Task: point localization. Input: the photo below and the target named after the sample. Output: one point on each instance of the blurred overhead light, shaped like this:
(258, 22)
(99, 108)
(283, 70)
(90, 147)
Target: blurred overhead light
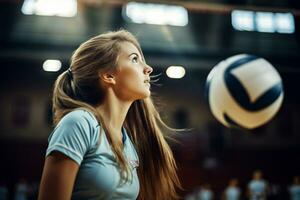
(158, 14)
(61, 8)
(175, 72)
(52, 65)
(267, 22)
(242, 20)
(284, 23)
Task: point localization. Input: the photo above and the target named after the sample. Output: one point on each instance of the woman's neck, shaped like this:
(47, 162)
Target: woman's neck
(113, 112)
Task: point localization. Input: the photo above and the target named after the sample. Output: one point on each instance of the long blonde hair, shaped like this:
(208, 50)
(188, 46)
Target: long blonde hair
(80, 88)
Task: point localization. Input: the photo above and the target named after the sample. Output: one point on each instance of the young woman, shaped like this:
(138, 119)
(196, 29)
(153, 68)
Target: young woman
(107, 143)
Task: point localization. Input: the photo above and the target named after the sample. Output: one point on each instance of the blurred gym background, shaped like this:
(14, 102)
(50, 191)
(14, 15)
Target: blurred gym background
(192, 36)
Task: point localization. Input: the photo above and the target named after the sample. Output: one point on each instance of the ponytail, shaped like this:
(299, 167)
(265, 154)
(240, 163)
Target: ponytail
(64, 97)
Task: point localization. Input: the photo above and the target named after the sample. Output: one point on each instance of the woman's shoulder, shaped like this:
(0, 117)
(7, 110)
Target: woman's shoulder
(80, 116)
(78, 124)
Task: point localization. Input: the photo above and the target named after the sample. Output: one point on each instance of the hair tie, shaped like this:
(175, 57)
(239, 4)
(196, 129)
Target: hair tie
(70, 74)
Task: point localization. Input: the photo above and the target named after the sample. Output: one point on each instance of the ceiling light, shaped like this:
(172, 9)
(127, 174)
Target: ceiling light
(176, 72)
(52, 65)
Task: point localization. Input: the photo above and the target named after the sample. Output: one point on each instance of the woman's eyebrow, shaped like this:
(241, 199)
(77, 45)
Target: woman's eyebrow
(133, 54)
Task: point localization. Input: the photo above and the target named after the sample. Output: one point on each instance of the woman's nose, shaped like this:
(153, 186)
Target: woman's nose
(148, 70)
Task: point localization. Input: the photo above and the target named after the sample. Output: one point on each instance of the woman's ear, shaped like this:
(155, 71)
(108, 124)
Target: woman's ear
(107, 78)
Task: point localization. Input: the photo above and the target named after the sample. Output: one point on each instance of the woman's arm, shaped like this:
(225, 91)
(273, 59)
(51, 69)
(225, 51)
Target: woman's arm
(58, 177)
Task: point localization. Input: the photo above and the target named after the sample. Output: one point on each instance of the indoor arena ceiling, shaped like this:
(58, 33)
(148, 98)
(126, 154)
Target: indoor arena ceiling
(208, 36)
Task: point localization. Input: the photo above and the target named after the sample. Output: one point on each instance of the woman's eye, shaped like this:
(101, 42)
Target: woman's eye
(134, 59)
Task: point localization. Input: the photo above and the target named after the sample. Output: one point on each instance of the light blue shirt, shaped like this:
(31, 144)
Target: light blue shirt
(205, 194)
(232, 193)
(257, 189)
(78, 136)
(295, 192)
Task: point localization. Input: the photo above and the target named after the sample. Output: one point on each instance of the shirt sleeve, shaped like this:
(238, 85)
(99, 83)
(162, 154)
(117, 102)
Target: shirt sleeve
(73, 135)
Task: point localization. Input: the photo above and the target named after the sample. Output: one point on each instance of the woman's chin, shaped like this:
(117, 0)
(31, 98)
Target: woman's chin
(145, 95)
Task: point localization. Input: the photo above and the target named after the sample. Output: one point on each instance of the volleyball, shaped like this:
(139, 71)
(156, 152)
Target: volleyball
(244, 91)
